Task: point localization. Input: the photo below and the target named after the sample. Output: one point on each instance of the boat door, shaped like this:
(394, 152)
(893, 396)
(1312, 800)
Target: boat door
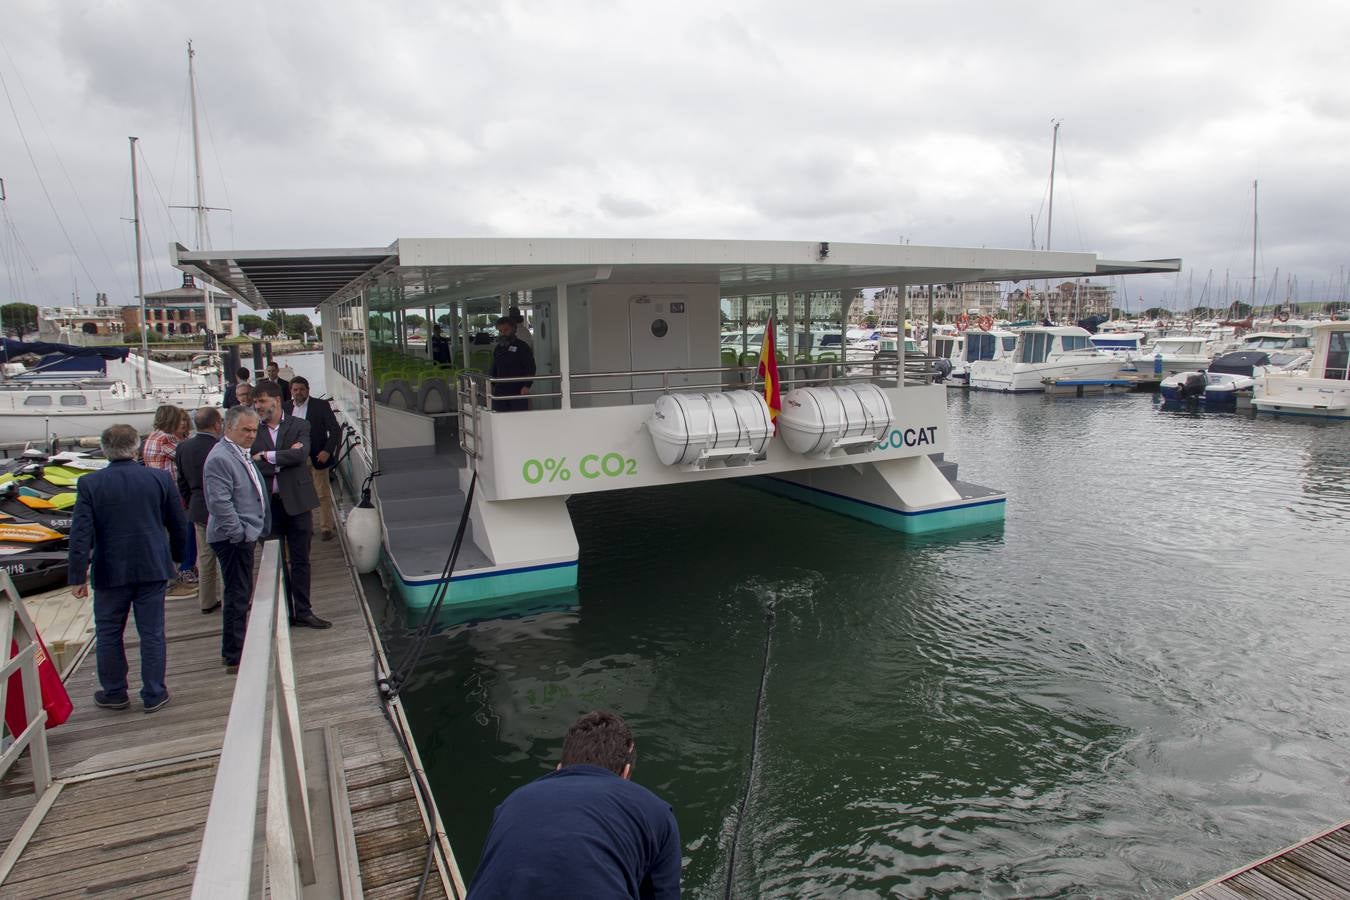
(658, 338)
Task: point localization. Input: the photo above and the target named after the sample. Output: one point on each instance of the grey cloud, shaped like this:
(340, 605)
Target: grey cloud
(338, 123)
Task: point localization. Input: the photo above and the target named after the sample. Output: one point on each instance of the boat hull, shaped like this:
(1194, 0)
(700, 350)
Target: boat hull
(1020, 377)
(1296, 395)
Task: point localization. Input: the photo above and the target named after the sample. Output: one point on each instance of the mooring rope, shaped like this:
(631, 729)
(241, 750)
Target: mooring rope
(769, 620)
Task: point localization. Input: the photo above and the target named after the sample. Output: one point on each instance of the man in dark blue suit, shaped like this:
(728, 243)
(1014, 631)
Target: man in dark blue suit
(129, 518)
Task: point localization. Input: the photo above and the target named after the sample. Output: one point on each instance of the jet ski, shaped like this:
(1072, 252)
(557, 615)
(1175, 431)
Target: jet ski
(37, 499)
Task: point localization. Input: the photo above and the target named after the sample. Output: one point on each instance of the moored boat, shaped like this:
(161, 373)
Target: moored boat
(1323, 390)
(1044, 352)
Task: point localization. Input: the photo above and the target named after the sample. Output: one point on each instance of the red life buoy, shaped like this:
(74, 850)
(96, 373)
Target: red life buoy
(986, 322)
(962, 322)
(1283, 315)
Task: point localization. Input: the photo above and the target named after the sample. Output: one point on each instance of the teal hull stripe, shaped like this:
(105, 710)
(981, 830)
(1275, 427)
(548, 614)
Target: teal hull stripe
(521, 582)
(467, 576)
(888, 509)
(981, 512)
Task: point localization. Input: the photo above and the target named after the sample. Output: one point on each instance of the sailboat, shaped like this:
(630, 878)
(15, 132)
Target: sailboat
(64, 392)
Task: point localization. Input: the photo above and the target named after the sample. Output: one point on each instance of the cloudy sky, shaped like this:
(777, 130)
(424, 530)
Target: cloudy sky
(346, 123)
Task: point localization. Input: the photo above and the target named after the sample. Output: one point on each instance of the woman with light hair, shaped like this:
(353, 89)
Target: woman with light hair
(172, 425)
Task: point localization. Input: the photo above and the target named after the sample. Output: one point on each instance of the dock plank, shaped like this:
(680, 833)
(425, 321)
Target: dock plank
(129, 820)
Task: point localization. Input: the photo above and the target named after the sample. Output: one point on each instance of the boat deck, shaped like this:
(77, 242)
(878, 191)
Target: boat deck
(421, 503)
(129, 818)
(1318, 867)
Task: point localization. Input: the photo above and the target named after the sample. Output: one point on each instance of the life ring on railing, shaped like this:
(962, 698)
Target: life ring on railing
(985, 322)
(962, 322)
(1283, 315)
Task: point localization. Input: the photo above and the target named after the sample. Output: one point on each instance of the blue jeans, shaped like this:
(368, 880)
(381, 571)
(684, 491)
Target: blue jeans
(189, 549)
(111, 605)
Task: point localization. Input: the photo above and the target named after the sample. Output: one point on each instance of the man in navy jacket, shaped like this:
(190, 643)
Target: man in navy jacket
(584, 829)
(130, 520)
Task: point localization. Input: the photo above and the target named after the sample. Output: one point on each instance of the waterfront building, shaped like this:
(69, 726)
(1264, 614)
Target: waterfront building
(1067, 301)
(101, 323)
(181, 310)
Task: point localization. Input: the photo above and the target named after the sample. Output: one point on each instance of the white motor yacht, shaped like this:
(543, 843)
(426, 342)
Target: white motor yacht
(1172, 355)
(1043, 352)
(988, 346)
(1323, 390)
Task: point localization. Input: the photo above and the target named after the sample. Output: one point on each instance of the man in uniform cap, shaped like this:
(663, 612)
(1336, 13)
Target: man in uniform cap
(511, 358)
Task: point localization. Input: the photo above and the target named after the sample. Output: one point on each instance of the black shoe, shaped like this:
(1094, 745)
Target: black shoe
(310, 620)
(103, 701)
(163, 702)
(211, 609)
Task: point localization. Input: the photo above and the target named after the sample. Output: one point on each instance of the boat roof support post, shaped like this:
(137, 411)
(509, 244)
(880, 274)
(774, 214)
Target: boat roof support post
(902, 313)
(931, 336)
(464, 332)
(564, 349)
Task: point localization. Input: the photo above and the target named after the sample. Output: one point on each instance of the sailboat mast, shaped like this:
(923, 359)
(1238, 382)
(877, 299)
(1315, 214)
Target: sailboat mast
(1050, 216)
(1254, 213)
(140, 275)
(196, 153)
(203, 237)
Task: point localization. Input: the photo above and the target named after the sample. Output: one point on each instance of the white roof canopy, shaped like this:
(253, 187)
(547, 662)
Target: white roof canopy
(465, 268)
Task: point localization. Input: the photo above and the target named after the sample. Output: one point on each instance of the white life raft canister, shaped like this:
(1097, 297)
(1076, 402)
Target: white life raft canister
(836, 420)
(732, 427)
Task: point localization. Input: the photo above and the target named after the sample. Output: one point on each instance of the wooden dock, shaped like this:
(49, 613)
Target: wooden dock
(133, 789)
(1318, 867)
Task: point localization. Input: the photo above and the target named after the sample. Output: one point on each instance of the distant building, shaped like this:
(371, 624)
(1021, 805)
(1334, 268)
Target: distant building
(181, 310)
(97, 324)
(948, 299)
(1068, 301)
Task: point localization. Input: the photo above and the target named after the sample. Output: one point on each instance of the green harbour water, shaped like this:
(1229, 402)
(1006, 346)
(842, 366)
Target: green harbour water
(1135, 683)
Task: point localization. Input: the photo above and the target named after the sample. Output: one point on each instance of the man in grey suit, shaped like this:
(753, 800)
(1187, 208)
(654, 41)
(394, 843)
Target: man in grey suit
(281, 451)
(237, 508)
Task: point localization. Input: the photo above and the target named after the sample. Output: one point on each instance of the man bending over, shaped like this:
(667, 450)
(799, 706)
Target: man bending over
(584, 829)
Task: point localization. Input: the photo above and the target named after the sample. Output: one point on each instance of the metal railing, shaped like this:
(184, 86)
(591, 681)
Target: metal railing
(266, 673)
(469, 411)
(33, 737)
(478, 390)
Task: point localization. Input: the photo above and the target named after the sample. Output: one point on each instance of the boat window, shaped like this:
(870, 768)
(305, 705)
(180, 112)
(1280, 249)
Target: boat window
(74, 400)
(38, 400)
(1035, 346)
(1009, 342)
(943, 347)
(1338, 356)
(979, 346)
(1074, 341)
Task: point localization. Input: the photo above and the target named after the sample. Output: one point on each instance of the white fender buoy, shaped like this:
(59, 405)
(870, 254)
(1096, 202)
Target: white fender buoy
(363, 534)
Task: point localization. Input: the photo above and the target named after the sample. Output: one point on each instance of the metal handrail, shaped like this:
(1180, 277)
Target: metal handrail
(266, 673)
(918, 369)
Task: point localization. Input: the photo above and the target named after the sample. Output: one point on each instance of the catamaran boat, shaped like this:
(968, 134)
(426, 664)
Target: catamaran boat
(630, 389)
(1044, 352)
(1323, 390)
(75, 392)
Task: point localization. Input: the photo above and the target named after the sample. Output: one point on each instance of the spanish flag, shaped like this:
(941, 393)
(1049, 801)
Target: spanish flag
(768, 370)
